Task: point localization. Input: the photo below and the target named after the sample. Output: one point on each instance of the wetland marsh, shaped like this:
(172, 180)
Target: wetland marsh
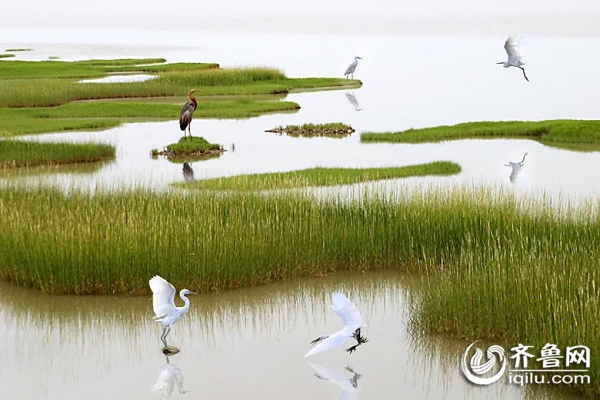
(417, 249)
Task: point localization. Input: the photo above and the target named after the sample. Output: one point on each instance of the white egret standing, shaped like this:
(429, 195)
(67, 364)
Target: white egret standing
(352, 67)
(514, 49)
(163, 303)
(352, 323)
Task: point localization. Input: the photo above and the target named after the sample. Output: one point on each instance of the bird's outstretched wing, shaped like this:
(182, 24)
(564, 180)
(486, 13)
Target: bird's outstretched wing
(347, 311)
(514, 48)
(333, 341)
(163, 296)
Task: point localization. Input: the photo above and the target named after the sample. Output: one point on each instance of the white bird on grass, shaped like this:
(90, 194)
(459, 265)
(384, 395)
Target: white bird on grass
(352, 323)
(514, 49)
(163, 303)
(352, 67)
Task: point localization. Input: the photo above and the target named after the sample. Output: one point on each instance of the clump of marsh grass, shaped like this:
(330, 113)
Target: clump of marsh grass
(190, 147)
(551, 131)
(16, 153)
(318, 177)
(335, 129)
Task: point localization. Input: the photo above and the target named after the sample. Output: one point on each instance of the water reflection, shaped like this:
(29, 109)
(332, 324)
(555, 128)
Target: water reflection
(352, 99)
(169, 375)
(188, 172)
(101, 346)
(349, 384)
(121, 79)
(515, 169)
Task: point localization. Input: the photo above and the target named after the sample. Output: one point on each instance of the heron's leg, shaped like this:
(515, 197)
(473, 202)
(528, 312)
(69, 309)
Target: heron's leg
(526, 78)
(163, 337)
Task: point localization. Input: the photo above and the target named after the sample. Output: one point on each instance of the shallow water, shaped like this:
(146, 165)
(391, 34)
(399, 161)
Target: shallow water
(246, 343)
(424, 64)
(431, 85)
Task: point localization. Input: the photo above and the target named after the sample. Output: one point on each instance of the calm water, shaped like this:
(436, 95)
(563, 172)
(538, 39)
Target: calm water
(238, 344)
(424, 64)
(409, 82)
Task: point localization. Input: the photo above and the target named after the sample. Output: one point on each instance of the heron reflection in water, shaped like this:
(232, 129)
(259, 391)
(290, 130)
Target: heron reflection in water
(516, 168)
(188, 172)
(349, 385)
(352, 99)
(169, 375)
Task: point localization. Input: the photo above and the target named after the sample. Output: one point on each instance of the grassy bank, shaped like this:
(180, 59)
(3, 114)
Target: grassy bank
(332, 129)
(564, 132)
(496, 268)
(320, 177)
(15, 153)
(41, 96)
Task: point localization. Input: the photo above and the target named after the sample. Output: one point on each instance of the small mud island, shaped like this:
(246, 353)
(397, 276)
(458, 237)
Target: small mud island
(335, 129)
(193, 146)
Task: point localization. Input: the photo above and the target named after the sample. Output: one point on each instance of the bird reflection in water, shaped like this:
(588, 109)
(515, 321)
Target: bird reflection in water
(352, 99)
(349, 384)
(169, 375)
(188, 172)
(516, 169)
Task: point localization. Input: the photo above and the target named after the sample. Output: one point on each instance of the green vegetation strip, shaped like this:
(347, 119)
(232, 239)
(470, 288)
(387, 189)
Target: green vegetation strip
(310, 130)
(190, 146)
(47, 96)
(320, 177)
(552, 131)
(495, 268)
(16, 153)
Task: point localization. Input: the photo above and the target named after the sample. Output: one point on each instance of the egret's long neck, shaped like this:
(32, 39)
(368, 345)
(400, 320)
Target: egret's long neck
(186, 307)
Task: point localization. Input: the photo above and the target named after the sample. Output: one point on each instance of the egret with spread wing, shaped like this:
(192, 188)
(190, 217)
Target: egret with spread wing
(163, 303)
(185, 117)
(514, 49)
(352, 323)
(352, 67)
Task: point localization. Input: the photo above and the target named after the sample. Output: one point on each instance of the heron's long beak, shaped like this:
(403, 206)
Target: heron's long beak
(192, 293)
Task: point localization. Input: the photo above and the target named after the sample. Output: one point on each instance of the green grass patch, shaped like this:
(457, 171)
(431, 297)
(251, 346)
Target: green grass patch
(189, 148)
(320, 177)
(6, 55)
(16, 153)
(493, 267)
(47, 96)
(556, 132)
(314, 130)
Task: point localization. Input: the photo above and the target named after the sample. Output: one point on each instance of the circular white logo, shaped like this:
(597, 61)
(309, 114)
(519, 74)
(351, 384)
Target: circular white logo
(477, 368)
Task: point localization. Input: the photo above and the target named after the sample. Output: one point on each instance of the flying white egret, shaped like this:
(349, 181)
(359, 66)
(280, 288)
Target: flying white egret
(163, 303)
(352, 323)
(516, 168)
(514, 49)
(352, 67)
